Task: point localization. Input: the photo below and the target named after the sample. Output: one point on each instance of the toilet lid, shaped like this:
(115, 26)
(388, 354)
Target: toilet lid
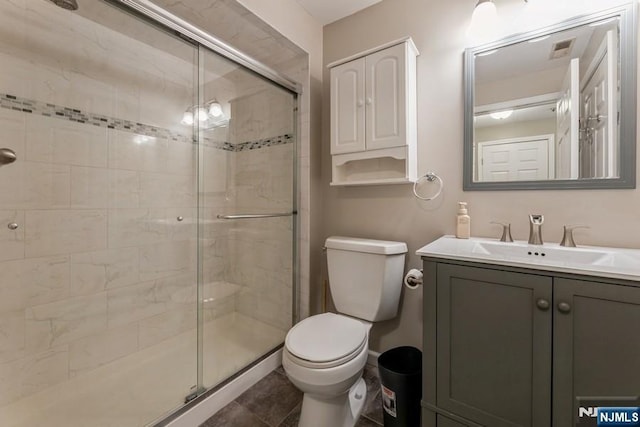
(325, 337)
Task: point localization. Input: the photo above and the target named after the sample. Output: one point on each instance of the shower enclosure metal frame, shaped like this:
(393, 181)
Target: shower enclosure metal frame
(261, 288)
(156, 14)
(160, 15)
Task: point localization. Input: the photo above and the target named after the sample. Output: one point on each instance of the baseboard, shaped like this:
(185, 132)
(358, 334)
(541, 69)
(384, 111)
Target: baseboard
(221, 398)
(372, 359)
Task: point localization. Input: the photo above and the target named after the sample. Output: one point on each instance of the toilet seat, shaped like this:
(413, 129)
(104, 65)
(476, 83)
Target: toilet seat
(326, 340)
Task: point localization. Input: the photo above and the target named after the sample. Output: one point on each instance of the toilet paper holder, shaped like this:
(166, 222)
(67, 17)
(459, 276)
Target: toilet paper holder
(413, 278)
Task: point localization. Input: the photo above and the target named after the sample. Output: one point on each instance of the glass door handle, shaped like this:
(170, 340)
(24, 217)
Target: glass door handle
(254, 216)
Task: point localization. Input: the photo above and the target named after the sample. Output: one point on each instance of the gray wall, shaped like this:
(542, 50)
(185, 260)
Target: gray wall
(391, 212)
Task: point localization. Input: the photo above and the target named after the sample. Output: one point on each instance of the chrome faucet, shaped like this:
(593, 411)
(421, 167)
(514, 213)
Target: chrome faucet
(567, 239)
(535, 229)
(506, 231)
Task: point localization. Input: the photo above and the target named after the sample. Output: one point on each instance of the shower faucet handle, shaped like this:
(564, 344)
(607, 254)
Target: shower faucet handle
(506, 231)
(7, 156)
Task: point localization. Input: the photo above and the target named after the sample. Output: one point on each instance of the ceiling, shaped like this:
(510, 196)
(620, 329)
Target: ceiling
(328, 11)
(534, 56)
(533, 113)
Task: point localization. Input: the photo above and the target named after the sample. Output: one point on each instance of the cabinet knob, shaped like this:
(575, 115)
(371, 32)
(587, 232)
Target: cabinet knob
(369, 101)
(543, 304)
(564, 307)
(361, 103)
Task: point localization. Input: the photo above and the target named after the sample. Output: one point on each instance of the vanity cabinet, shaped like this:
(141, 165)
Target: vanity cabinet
(506, 346)
(596, 343)
(373, 116)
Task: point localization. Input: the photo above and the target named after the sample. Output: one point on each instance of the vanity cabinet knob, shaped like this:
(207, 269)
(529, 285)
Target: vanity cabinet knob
(543, 304)
(12, 226)
(361, 103)
(369, 101)
(564, 307)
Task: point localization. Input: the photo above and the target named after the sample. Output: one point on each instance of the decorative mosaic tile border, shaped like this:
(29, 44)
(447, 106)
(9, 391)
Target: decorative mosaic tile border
(266, 142)
(71, 114)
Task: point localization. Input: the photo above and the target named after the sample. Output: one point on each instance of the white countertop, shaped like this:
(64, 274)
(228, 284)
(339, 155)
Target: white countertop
(597, 261)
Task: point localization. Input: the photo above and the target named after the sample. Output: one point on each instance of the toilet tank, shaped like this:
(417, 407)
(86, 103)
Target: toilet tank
(365, 276)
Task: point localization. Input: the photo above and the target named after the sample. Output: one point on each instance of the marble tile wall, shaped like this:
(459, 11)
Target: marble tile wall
(231, 21)
(95, 268)
(100, 267)
(262, 250)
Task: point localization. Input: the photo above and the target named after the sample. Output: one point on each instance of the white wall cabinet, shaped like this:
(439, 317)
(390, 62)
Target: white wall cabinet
(373, 116)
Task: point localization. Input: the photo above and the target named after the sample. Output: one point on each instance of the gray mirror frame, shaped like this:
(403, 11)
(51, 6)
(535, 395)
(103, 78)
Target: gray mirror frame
(628, 64)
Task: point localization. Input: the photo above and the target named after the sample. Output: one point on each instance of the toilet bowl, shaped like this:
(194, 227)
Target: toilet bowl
(324, 355)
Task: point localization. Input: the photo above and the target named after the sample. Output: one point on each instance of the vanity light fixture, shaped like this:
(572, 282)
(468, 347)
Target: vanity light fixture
(187, 118)
(215, 109)
(193, 113)
(201, 114)
(484, 19)
(211, 113)
(501, 115)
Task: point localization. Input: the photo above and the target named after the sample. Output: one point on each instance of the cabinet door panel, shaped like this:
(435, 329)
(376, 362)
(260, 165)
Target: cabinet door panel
(493, 346)
(596, 344)
(386, 98)
(448, 422)
(347, 107)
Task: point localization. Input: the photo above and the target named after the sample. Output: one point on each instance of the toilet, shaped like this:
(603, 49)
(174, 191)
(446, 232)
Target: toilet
(324, 355)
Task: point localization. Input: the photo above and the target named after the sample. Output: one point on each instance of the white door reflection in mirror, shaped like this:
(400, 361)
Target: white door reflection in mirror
(516, 159)
(568, 116)
(599, 113)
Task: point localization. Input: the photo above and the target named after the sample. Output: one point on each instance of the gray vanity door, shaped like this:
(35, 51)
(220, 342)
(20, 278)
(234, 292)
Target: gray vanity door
(448, 422)
(596, 344)
(494, 346)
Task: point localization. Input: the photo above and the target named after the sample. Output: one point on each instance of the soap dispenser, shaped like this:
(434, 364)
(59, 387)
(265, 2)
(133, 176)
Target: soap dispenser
(463, 222)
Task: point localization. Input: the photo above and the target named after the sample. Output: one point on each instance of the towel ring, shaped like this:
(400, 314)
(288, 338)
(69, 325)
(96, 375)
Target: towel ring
(429, 176)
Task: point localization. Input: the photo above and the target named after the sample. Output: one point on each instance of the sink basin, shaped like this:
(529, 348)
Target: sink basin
(590, 260)
(535, 253)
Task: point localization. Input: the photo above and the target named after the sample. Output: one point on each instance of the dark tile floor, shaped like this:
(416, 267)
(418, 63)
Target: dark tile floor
(275, 402)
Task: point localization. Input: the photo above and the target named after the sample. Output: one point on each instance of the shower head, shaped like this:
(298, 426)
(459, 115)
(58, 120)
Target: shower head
(66, 4)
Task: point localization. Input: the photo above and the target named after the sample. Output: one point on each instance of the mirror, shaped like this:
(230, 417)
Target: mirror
(554, 108)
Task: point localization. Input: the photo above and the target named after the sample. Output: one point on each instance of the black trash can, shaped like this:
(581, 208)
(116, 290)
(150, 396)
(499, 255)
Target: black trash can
(401, 383)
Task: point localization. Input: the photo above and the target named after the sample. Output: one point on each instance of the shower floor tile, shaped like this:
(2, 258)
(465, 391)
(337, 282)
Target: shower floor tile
(275, 402)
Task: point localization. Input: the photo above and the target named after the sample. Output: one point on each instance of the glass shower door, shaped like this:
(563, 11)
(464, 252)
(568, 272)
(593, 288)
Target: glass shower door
(147, 224)
(248, 220)
(98, 217)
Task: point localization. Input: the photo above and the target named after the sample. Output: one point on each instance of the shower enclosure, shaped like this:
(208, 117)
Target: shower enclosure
(147, 224)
